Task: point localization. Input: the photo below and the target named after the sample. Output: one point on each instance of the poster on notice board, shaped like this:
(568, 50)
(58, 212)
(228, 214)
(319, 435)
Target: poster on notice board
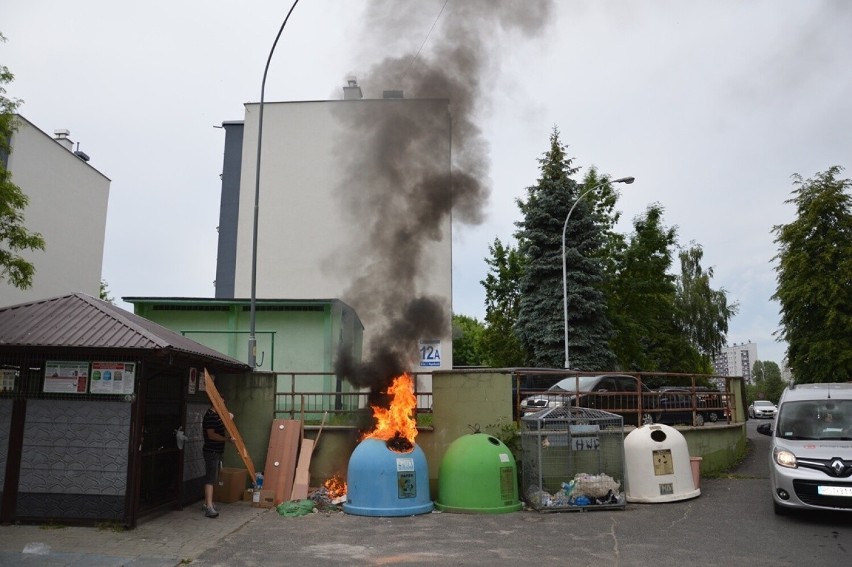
(113, 377)
(65, 377)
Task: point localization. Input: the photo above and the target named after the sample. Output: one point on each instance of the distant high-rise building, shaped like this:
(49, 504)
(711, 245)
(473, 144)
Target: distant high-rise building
(736, 360)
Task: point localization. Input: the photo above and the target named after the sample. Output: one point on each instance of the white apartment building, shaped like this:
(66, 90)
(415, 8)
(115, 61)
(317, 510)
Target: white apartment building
(338, 216)
(67, 204)
(736, 360)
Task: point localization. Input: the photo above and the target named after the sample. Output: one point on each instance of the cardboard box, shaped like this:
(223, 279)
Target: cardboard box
(263, 499)
(247, 494)
(231, 485)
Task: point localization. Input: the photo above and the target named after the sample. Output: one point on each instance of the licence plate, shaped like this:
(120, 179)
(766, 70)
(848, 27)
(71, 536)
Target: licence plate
(834, 490)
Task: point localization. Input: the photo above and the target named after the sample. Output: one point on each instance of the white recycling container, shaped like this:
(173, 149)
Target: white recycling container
(657, 465)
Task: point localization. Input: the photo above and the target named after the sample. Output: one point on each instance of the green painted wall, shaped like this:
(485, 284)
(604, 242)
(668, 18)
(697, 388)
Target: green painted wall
(291, 335)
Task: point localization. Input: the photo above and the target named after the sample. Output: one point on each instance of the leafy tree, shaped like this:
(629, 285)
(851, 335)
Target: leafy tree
(768, 383)
(540, 318)
(814, 275)
(500, 345)
(14, 237)
(703, 312)
(104, 294)
(467, 341)
(642, 298)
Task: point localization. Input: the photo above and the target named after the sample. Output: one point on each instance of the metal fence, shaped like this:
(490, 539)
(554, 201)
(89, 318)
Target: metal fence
(300, 395)
(676, 399)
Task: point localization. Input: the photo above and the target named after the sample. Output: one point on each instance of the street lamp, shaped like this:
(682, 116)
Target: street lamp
(628, 181)
(252, 341)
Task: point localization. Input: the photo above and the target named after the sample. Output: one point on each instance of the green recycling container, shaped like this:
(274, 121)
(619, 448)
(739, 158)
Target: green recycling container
(478, 475)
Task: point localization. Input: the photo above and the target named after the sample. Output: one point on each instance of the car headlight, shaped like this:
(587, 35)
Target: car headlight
(785, 458)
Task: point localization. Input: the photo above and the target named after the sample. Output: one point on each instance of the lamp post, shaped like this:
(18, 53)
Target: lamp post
(252, 341)
(628, 181)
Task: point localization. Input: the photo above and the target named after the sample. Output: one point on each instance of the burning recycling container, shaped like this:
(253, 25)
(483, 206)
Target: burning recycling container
(383, 482)
(388, 474)
(478, 475)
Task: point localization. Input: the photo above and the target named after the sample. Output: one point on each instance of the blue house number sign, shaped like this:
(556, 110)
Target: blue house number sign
(430, 353)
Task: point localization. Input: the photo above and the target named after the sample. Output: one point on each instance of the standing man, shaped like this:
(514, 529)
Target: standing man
(214, 446)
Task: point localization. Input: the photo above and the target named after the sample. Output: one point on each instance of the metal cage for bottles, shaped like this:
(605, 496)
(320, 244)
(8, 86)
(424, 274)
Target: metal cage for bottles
(572, 459)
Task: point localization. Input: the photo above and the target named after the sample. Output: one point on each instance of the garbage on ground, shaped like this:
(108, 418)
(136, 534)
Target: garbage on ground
(293, 508)
(583, 490)
(325, 502)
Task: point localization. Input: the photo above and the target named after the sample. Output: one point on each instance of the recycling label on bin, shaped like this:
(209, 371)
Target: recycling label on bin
(663, 462)
(406, 482)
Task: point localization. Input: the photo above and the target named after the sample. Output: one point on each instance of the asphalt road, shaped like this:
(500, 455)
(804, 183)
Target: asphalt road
(732, 523)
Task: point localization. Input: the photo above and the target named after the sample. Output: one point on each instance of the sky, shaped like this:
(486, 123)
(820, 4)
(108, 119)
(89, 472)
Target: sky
(712, 105)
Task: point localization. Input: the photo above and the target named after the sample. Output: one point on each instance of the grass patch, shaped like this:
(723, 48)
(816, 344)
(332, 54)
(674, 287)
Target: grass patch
(424, 420)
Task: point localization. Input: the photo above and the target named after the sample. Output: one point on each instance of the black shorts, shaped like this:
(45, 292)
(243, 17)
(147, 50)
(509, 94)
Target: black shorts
(212, 462)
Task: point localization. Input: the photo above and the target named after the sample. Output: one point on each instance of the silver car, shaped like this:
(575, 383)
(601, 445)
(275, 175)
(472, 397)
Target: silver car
(762, 408)
(614, 393)
(810, 458)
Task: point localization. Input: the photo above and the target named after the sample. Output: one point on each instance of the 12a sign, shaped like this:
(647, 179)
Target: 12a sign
(430, 353)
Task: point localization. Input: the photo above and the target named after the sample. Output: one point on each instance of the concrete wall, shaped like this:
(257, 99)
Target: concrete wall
(68, 207)
(719, 446)
(251, 399)
(74, 459)
(462, 400)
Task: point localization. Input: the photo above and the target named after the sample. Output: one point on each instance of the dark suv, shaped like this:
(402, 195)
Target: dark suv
(614, 393)
(676, 407)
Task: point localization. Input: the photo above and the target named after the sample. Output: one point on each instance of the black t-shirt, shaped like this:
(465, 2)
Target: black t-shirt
(214, 422)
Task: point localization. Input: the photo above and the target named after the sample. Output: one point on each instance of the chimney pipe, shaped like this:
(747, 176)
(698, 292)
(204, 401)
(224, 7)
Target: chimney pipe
(352, 91)
(61, 136)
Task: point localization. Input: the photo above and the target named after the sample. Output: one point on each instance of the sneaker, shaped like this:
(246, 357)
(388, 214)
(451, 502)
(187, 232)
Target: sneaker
(210, 512)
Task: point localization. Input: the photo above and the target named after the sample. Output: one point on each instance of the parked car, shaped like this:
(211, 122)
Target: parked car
(676, 407)
(614, 393)
(762, 408)
(810, 455)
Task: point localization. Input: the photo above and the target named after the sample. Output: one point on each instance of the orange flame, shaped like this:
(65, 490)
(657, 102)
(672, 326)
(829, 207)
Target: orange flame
(397, 421)
(335, 487)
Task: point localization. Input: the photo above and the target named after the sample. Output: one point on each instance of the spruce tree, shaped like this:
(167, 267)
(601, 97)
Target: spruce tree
(540, 325)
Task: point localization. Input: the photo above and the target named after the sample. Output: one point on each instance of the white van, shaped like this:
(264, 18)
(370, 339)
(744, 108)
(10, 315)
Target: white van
(810, 456)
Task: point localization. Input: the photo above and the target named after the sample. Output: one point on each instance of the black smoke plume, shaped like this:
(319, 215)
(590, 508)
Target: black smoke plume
(400, 188)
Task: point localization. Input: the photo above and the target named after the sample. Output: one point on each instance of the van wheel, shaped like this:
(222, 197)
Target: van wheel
(714, 417)
(699, 420)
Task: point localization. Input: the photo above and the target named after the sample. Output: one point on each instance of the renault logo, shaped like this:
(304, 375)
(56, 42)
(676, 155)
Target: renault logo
(837, 466)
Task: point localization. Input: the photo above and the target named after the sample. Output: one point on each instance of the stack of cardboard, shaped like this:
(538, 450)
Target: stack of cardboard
(288, 461)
